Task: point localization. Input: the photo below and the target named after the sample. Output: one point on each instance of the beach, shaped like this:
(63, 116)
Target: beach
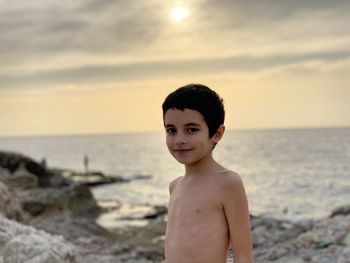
(57, 219)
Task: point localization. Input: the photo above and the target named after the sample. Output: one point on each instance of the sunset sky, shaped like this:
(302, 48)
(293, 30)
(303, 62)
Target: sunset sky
(103, 66)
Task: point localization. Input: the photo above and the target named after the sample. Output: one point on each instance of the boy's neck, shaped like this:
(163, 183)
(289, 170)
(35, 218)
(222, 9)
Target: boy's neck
(201, 167)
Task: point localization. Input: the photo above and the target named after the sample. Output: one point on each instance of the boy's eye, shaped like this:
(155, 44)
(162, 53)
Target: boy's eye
(170, 130)
(192, 130)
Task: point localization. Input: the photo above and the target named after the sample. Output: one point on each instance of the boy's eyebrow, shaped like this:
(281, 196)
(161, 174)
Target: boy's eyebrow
(192, 124)
(186, 125)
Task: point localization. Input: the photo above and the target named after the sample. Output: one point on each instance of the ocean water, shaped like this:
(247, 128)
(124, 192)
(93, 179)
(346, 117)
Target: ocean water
(294, 174)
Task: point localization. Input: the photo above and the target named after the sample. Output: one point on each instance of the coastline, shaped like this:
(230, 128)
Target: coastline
(40, 206)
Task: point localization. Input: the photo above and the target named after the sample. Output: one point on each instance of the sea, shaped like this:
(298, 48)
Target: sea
(292, 174)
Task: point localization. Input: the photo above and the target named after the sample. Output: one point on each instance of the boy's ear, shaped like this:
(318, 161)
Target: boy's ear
(219, 133)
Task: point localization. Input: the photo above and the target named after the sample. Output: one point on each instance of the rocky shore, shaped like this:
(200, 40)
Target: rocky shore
(47, 216)
(50, 215)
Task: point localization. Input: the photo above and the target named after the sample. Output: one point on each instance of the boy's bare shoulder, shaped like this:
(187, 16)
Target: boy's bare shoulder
(230, 180)
(231, 187)
(173, 184)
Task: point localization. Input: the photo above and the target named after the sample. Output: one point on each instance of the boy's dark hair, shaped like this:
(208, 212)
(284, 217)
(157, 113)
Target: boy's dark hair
(201, 98)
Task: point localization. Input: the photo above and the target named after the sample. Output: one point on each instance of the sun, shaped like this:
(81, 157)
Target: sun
(179, 13)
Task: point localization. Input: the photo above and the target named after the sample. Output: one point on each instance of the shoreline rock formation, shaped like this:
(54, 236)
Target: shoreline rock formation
(322, 240)
(22, 243)
(43, 212)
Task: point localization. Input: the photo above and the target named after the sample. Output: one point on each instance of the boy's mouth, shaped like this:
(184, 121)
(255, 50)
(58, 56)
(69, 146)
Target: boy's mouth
(182, 150)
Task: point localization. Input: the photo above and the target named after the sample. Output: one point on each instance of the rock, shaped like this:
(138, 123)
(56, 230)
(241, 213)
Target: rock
(93, 178)
(4, 172)
(38, 248)
(9, 205)
(26, 244)
(343, 210)
(21, 178)
(282, 230)
(322, 241)
(145, 242)
(46, 177)
(15, 161)
(344, 255)
(60, 206)
(41, 191)
(158, 212)
(72, 199)
(346, 240)
(136, 177)
(101, 259)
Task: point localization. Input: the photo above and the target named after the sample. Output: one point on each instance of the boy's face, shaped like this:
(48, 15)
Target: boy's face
(187, 135)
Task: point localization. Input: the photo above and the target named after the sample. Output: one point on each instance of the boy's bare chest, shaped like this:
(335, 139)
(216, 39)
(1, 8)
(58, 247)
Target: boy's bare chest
(193, 202)
(195, 219)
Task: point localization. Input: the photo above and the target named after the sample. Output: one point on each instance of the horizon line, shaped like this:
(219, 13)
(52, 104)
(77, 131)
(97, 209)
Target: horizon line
(88, 134)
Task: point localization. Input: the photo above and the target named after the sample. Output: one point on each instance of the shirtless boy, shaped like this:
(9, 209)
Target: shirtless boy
(208, 208)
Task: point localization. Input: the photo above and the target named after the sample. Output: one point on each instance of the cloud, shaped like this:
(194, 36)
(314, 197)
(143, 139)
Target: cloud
(245, 13)
(221, 35)
(161, 69)
(41, 31)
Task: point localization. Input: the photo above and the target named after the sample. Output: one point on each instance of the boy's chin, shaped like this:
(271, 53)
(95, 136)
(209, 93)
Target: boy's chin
(180, 160)
(184, 161)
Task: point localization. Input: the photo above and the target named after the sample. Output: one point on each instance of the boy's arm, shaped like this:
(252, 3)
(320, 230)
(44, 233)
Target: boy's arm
(236, 209)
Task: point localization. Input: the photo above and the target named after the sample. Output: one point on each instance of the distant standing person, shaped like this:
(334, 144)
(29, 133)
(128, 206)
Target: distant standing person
(208, 207)
(86, 164)
(43, 162)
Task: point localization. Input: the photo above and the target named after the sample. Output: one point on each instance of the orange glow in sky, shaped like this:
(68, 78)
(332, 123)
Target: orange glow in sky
(105, 67)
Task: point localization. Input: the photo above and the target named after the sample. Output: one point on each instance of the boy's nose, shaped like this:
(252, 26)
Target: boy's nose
(180, 139)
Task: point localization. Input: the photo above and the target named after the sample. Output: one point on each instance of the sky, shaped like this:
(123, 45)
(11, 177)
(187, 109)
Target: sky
(105, 66)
